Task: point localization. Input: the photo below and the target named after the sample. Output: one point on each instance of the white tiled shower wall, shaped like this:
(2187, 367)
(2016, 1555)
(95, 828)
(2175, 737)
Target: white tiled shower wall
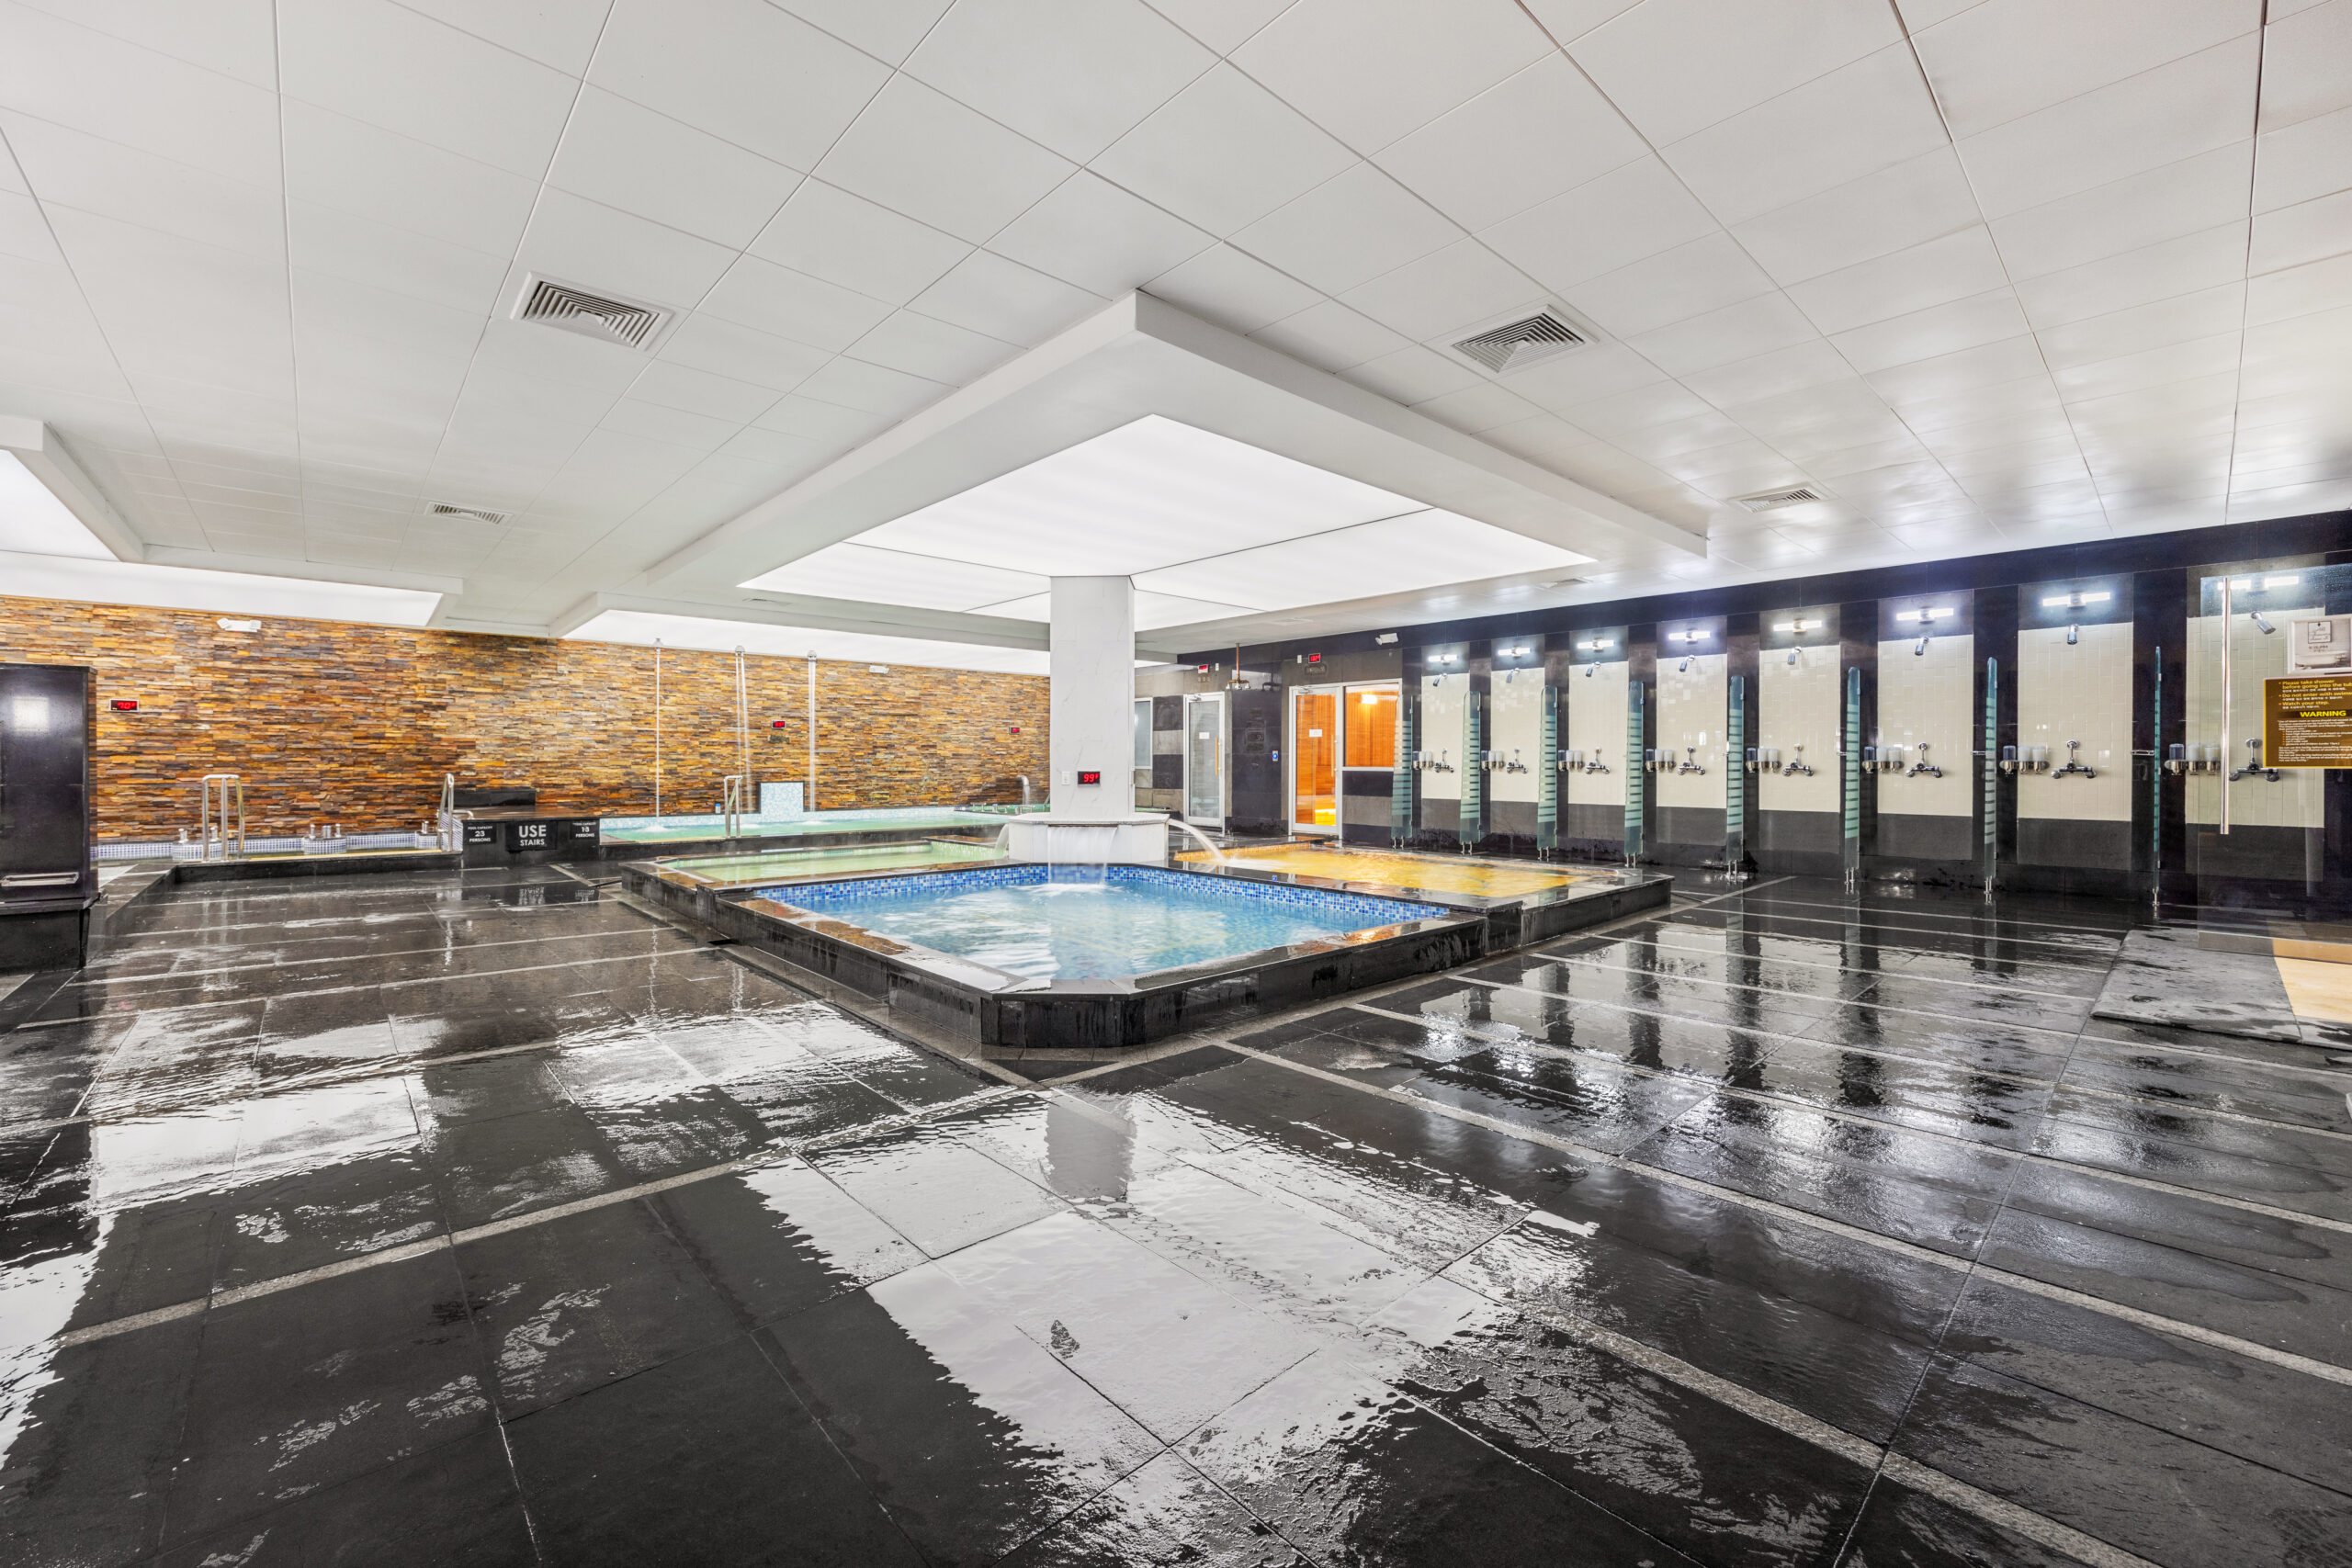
(1596, 726)
(1692, 705)
(1928, 698)
(1443, 700)
(1515, 714)
(1798, 705)
(2295, 801)
(2076, 692)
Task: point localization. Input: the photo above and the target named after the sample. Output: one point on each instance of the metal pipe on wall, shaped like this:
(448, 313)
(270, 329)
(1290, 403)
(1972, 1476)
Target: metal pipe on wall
(743, 724)
(811, 803)
(2227, 730)
(657, 731)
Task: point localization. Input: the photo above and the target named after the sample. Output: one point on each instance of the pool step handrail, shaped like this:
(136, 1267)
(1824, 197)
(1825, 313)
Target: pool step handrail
(217, 790)
(731, 804)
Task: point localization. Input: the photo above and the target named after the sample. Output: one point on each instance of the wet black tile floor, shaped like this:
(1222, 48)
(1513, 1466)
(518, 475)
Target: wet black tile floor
(479, 1218)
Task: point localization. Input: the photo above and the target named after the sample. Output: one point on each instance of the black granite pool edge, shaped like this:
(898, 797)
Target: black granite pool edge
(943, 994)
(1513, 921)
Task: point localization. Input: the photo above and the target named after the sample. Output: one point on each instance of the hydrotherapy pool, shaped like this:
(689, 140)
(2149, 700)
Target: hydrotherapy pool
(1116, 922)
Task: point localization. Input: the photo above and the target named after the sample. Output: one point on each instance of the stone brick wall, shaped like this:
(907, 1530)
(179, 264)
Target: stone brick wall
(341, 722)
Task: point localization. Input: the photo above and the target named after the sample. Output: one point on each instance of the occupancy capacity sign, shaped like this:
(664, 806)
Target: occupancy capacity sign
(2307, 721)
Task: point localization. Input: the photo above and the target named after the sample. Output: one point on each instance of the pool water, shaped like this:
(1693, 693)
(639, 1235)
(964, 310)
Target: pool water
(1484, 879)
(767, 865)
(1125, 921)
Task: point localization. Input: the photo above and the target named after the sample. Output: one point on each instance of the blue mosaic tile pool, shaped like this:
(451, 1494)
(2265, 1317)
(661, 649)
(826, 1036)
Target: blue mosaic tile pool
(1067, 925)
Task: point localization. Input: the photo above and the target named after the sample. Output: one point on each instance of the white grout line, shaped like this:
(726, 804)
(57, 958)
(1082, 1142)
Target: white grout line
(2246, 1348)
(2034, 1526)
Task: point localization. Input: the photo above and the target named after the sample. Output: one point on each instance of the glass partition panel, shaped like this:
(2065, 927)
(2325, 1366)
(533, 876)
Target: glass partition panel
(1315, 723)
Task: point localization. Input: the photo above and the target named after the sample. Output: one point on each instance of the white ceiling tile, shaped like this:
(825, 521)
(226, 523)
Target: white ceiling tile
(659, 422)
(1537, 134)
(2312, 158)
(1348, 230)
(1677, 67)
(2007, 58)
(1731, 332)
(847, 240)
(1623, 411)
(1828, 416)
(1004, 299)
(68, 168)
(364, 318)
(2307, 64)
(2042, 427)
(626, 156)
(1223, 154)
(1330, 336)
(792, 304)
(888, 29)
(1223, 25)
(1954, 267)
(1934, 409)
(1545, 438)
(2201, 260)
(1854, 121)
(1412, 374)
(2197, 357)
(1074, 76)
(1370, 71)
(561, 33)
(705, 342)
(2205, 313)
(2299, 291)
(352, 166)
(56, 71)
(875, 389)
(340, 244)
(1991, 317)
(677, 385)
(1982, 365)
(598, 247)
(1905, 205)
(2176, 111)
(1704, 274)
(921, 154)
(2312, 230)
(741, 70)
(24, 232)
(235, 37)
(175, 308)
(831, 426)
(1568, 20)
(1573, 380)
(1479, 407)
(380, 62)
(778, 451)
(1091, 232)
(925, 347)
(2196, 194)
(1623, 216)
(1446, 292)
(1237, 291)
(1801, 365)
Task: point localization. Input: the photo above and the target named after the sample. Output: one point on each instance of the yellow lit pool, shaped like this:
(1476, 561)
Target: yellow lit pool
(1425, 873)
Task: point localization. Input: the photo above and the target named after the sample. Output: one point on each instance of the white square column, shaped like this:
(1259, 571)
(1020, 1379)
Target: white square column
(1093, 669)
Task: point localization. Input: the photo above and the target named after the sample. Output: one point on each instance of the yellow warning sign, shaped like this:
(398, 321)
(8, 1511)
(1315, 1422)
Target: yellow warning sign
(2307, 721)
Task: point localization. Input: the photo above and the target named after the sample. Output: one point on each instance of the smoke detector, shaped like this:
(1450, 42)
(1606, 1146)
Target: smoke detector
(1524, 340)
(1773, 499)
(474, 513)
(568, 306)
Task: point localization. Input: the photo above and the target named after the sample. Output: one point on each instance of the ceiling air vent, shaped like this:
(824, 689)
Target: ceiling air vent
(1773, 499)
(1515, 345)
(443, 508)
(576, 310)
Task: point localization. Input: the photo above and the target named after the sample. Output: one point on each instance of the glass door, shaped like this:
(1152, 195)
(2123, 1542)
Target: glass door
(1314, 760)
(1368, 765)
(1204, 761)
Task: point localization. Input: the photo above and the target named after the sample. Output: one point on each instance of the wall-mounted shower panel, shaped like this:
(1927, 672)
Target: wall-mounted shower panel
(1693, 702)
(1445, 703)
(1928, 787)
(2276, 826)
(1593, 802)
(1515, 737)
(2074, 709)
(1798, 783)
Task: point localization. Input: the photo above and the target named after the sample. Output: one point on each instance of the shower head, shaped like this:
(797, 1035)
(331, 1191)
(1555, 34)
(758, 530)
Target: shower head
(1919, 649)
(1792, 659)
(2255, 616)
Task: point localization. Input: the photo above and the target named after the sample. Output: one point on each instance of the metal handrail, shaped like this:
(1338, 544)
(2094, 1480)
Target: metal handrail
(205, 831)
(731, 804)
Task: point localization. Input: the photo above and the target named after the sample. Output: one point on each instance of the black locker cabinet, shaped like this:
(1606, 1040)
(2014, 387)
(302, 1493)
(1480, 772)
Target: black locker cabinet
(47, 883)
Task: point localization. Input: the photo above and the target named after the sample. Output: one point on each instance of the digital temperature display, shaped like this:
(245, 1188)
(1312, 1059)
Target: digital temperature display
(1090, 778)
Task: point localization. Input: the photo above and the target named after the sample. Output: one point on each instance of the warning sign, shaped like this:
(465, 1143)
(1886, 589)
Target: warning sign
(2307, 721)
